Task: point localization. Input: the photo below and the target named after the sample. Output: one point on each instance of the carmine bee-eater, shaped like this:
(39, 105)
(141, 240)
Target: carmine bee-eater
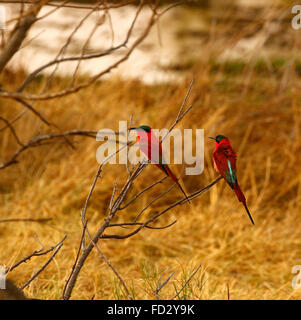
(150, 145)
(224, 158)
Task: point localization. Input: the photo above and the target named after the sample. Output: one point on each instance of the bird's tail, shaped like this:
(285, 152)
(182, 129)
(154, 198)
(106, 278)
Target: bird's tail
(239, 193)
(249, 214)
(242, 199)
(167, 170)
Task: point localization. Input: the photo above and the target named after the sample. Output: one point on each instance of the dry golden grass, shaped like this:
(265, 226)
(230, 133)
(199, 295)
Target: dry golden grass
(54, 180)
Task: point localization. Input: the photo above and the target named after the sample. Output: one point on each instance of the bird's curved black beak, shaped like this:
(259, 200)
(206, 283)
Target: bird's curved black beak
(212, 138)
(132, 129)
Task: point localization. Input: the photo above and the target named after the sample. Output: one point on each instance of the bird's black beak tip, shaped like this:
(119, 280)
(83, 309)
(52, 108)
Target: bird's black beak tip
(212, 138)
(132, 129)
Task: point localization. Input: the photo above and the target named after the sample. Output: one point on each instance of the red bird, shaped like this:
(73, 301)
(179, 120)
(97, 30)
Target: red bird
(225, 164)
(151, 146)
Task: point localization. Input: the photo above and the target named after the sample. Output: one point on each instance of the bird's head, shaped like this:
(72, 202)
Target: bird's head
(142, 132)
(218, 138)
(142, 129)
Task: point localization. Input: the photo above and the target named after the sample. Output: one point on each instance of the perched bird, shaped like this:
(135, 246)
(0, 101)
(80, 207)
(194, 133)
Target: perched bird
(225, 164)
(151, 146)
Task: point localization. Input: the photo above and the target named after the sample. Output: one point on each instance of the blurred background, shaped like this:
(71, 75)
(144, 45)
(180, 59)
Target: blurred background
(195, 31)
(245, 59)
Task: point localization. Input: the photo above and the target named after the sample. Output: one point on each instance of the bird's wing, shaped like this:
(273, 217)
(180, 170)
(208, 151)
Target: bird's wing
(152, 148)
(225, 162)
(156, 150)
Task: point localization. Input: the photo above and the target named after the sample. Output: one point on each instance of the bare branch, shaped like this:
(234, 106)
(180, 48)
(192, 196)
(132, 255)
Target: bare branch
(81, 57)
(157, 215)
(19, 34)
(33, 110)
(44, 139)
(112, 268)
(71, 5)
(154, 200)
(160, 286)
(59, 246)
(19, 116)
(124, 224)
(114, 207)
(8, 124)
(77, 256)
(141, 192)
(25, 220)
(36, 253)
(86, 251)
(181, 114)
(91, 80)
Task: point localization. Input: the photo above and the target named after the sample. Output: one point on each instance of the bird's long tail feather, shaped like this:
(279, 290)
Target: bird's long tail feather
(167, 170)
(239, 193)
(249, 214)
(242, 199)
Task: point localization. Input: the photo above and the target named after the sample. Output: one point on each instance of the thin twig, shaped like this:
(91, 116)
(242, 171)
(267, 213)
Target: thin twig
(124, 224)
(142, 191)
(154, 200)
(39, 252)
(93, 79)
(112, 268)
(77, 255)
(25, 220)
(181, 114)
(59, 246)
(157, 215)
(159, 287)
(186, 283)
(12, 130)
(40, 140)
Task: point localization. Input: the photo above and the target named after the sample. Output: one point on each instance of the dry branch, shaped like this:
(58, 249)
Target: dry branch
(25, 220)
(112, 268)
(157, 215)
(119, 197)
(36, 253)
(19, 34)
(46, 139)
(116, 205)
(73, 5)
(73, 89)
(58, 246)
(161, 285)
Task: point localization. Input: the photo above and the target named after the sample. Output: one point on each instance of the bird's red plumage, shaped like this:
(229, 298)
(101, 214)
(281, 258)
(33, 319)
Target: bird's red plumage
(223, 153)
(151, 146)
(224, 158)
